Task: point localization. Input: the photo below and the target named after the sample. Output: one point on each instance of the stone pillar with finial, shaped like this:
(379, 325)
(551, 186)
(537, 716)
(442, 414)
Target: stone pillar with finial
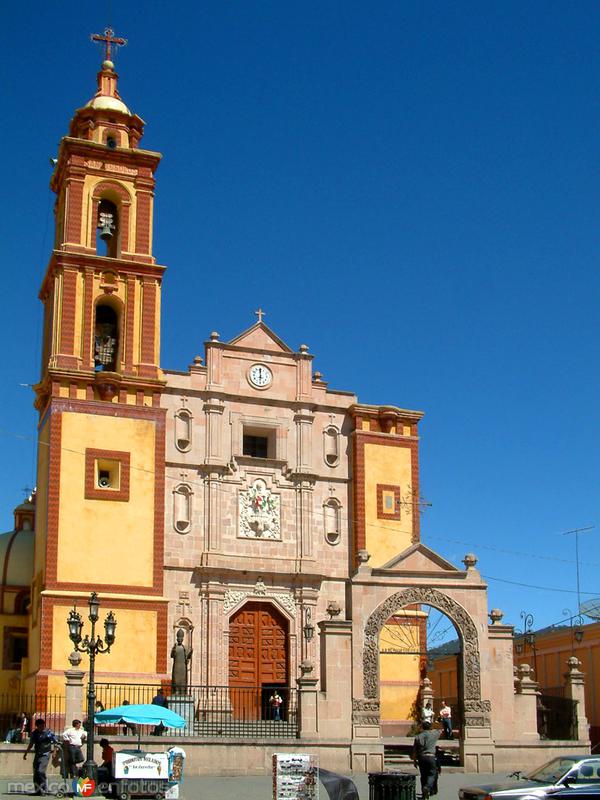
(526, 696)
(307, 701)
(74, 689)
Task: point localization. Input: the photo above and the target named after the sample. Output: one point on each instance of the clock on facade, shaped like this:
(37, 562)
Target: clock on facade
(260, 376)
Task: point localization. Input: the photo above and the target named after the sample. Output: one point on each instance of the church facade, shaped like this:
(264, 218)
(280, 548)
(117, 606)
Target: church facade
(272, 519)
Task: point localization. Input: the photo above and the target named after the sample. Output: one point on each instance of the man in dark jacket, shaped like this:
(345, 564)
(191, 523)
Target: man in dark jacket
(423, 756)
(42, 741)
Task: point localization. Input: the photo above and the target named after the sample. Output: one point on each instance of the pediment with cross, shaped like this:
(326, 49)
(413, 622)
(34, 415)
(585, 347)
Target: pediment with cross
(418, 558)
(260, 337)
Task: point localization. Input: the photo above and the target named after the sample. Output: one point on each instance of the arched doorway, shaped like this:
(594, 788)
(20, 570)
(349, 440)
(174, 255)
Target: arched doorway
(476, 711)
(258, 659)
(419, 654)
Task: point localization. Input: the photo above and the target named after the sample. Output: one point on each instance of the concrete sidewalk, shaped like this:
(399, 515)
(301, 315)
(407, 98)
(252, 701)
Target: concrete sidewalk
(261, 788)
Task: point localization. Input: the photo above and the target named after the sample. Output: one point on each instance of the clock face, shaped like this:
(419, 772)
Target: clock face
(260, 375)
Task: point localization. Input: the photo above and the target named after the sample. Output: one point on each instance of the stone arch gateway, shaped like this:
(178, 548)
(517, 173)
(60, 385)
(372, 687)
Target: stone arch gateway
(477, 711)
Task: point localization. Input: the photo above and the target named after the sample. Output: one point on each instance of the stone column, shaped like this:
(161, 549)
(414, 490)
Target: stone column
(335, 702)
(308, 723)
(575, 690)
(526, 694)
(74, 690)
(426, 692)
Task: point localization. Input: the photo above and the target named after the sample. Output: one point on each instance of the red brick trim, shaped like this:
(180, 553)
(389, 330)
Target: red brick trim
(67, 313)
(88, 313)
(92, 492)
(74, 209)
(129, 320)
(381, 512)
(360, 439)
(147, 367)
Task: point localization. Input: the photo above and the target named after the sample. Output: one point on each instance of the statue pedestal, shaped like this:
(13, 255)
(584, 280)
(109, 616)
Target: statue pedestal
(183, 704)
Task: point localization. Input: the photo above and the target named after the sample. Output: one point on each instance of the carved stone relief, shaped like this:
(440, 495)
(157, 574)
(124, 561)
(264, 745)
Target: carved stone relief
(259, 512)
(477, 709)
(234, 598)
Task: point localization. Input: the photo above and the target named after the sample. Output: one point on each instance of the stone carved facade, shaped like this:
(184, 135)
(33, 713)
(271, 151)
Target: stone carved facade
(477, 711)
(365, 712)
(259, 512)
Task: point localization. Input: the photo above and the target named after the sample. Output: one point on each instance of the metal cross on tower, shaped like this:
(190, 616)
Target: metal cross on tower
(109, 39)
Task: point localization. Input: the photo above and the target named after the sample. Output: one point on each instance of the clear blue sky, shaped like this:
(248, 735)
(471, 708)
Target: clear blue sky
(411, 188)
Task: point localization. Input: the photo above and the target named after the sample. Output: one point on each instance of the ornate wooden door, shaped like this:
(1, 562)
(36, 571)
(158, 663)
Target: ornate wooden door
(257, 656)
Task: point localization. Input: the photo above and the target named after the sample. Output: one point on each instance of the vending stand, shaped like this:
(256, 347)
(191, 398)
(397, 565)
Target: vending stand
(140, 774)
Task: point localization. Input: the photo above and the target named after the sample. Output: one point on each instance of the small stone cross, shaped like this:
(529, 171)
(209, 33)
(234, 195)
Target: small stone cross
(260, 313)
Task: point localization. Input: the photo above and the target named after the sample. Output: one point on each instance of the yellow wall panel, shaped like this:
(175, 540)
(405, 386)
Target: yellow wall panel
(385, 538)
(116, 537)
(134, 649)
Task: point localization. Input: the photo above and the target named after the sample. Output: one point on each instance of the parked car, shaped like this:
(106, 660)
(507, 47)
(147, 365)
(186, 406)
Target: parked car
(568, 771)
(590, 791)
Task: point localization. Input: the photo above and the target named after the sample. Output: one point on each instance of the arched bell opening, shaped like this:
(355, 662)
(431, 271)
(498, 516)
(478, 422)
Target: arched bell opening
(107, 229)
(106, 337)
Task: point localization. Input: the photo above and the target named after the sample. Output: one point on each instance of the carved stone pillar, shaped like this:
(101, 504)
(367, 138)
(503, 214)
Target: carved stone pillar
(575, 690)
(335, 710)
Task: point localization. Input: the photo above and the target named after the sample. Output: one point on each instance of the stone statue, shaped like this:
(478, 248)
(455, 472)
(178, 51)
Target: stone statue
(181, 656)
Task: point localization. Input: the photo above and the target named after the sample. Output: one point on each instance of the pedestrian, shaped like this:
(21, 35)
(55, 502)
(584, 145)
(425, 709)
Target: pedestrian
(73, 740)
(275, 702)
(446, 720)
(105, 770)
(424, 757)
(159, 700)
(427, 713)
(41, 741)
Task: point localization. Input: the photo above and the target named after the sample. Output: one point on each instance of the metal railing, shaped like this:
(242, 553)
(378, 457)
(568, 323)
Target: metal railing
(13, 707)
(556, 717)
(215, 711)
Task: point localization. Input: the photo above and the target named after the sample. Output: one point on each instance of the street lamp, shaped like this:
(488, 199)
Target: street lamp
(309, 628)
(91, 645)
(527, 638)
(576, 626)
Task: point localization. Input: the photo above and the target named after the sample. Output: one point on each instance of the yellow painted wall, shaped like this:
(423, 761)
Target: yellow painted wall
(398, 672)
(117, 538)
(135, 644)
(385, 538)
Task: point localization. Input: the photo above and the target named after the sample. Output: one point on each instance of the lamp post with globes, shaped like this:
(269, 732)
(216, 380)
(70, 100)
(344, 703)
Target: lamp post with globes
(91, 645)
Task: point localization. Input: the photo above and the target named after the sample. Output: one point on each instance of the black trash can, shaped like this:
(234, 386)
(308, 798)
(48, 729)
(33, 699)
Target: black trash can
(392, 786)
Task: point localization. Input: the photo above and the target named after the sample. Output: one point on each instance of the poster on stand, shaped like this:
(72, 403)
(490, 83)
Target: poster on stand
(135, 765)
(295, 776)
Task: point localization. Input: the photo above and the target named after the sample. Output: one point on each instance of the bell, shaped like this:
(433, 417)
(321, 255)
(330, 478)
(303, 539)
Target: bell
(106, 232)
(105, 223)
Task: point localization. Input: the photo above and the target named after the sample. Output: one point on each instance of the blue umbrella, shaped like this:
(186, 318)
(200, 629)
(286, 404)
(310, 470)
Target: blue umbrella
(142, 714)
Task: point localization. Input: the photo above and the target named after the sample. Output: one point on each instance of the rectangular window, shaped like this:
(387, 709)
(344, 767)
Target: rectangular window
(15, 647)
(388, 501)
(256, 446)
(106, 475)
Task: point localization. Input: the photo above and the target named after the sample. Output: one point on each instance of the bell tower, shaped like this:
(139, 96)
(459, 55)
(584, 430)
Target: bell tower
(101, 429)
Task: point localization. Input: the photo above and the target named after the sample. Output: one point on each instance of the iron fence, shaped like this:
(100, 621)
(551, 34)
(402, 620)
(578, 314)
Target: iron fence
(556, 717)
(18, 713)
(215, 711)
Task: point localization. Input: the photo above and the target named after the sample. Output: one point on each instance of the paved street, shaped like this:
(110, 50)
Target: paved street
(260, 788)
